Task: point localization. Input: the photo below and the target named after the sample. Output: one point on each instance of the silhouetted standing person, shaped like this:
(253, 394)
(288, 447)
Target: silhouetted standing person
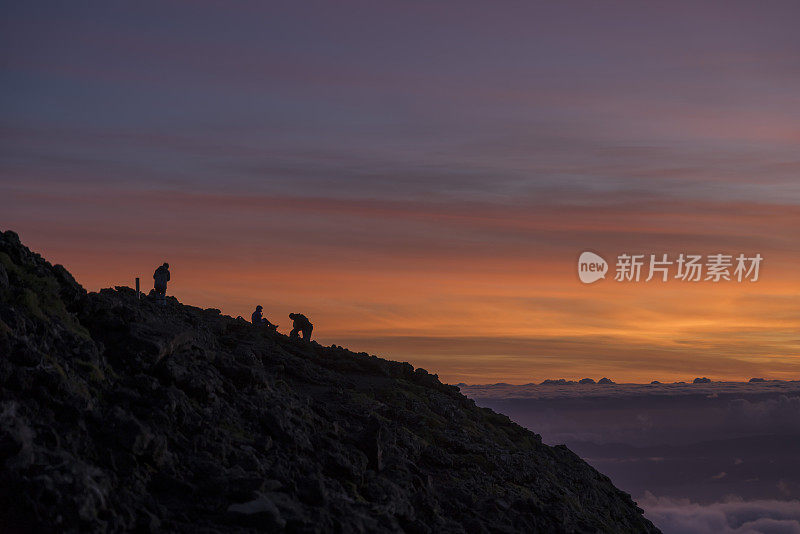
(259, 320)
(300, 324)
(160, 278)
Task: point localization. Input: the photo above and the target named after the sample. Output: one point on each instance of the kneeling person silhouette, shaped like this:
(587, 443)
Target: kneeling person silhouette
(300, 324)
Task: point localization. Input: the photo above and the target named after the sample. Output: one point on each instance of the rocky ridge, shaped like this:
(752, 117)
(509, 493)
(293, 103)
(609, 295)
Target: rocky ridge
(120, 415)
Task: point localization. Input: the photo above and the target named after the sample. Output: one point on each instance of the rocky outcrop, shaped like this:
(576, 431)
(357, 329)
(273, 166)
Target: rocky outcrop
(117, 415)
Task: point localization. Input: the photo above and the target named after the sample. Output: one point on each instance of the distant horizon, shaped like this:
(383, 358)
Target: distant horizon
(574, 382)
(687, 382)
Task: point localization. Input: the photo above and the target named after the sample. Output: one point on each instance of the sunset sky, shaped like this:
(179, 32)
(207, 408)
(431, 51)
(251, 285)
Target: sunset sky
(419, 178)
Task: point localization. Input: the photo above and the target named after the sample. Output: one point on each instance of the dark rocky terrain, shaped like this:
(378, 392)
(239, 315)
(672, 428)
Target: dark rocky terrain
(117, 415)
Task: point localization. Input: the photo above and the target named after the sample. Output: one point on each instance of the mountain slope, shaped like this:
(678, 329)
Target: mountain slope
(117, 414)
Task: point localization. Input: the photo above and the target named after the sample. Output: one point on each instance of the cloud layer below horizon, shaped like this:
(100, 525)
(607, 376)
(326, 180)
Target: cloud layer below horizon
(715, 457)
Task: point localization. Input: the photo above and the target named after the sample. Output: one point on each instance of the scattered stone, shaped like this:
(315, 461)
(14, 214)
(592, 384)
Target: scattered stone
(260, 512)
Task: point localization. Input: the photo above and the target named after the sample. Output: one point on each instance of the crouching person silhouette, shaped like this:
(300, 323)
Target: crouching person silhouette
(259, 320)
(300, 324)
(160, 278)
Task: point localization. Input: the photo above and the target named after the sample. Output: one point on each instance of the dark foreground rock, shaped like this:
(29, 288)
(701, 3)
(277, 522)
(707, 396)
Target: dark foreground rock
(118, 415)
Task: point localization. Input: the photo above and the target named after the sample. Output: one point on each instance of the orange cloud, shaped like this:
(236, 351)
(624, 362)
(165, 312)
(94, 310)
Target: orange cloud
(474, 291)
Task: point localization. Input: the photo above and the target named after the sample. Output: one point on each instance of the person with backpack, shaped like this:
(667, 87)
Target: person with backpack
(300, 324)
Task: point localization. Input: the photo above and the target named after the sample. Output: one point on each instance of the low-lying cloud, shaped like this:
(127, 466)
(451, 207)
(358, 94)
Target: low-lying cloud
(779, 412)
(732, 516)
